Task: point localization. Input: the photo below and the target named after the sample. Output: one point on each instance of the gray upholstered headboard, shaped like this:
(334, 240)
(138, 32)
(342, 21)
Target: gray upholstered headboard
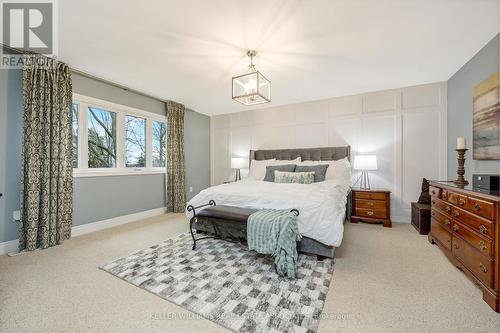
(307, 154)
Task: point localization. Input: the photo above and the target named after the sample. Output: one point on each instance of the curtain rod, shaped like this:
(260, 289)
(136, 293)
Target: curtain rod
(88, 75)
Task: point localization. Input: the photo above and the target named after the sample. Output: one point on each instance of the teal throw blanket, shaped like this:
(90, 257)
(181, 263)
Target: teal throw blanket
(275, 232)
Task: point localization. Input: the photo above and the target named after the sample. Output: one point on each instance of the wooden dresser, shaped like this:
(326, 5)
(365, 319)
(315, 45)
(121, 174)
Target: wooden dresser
(464, 224)
(371, 205)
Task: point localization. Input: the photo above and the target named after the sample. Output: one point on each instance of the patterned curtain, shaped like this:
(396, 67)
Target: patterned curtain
(176, 187)
(46, 154)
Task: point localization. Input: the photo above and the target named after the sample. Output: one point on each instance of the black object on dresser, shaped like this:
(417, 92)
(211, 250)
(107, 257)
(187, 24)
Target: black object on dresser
(490, 183)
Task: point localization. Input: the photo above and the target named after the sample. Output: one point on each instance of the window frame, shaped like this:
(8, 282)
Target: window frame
(121, 112)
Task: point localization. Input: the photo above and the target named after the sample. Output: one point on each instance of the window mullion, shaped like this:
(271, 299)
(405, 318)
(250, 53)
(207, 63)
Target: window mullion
(149, 144)
(120, 140)
(83, 142)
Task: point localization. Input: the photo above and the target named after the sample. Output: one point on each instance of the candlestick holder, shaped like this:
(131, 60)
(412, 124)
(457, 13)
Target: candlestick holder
(461, 168)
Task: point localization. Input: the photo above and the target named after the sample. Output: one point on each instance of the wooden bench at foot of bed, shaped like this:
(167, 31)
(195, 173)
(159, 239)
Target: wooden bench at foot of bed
(221, 221)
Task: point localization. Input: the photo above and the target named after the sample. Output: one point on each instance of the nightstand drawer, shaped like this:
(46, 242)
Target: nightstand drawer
(370, 195)
(362, 203)
(368, 212)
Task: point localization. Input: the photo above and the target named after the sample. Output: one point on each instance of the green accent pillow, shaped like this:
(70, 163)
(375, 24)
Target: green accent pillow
(294, 177)
(319, 171)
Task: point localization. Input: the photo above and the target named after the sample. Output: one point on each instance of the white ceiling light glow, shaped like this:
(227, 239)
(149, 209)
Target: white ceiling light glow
(253, 87)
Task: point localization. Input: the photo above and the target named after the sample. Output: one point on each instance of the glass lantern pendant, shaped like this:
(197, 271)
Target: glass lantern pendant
(251, 88)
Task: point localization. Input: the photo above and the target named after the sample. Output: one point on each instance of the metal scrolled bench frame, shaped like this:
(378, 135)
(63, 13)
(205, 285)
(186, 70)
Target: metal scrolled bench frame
(211, 203)
(192, 208)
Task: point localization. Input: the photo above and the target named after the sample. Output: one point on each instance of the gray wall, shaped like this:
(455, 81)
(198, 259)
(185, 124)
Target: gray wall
(485, 63)
(196, 152)
(11, 107)
(96, 198)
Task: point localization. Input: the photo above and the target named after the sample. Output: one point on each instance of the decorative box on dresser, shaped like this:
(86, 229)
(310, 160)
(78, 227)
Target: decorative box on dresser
(464, 224)
(371, 205)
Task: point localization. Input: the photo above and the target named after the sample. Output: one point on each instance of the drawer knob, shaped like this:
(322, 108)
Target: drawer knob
(456, 214)
(461, 202)
(369, 213)
(370, 204)
(482, 267)
(447, 221)
(482, 245)
(482, 229)
(477, 207)
(448, 209)
(456, 227)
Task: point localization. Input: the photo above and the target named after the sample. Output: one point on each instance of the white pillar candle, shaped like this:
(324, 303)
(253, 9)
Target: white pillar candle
(461, 143)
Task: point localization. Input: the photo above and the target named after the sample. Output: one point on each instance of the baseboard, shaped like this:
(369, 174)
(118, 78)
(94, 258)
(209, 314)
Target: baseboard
(12, 246)
(115, 221)
(401, 219)
(9, 246)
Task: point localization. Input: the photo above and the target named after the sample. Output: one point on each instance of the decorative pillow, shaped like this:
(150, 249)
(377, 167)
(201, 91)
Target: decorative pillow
(272, 168)
(294, 177)
(425, 197)
(258, 168)
(285, 162)
(319, 171)
(339, 170)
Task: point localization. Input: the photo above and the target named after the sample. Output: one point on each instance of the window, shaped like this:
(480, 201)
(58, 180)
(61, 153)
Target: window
(159, 143)
(74, 110)
(112, 139)
(101, 138)
(135, 142)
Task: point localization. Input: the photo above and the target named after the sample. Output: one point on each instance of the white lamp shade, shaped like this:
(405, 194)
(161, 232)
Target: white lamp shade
(365, 162)
(239, 163)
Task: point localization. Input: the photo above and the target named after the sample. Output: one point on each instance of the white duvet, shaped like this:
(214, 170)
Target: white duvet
(322, 205)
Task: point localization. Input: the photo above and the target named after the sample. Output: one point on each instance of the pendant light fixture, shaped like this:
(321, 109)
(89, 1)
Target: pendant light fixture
(253, 87)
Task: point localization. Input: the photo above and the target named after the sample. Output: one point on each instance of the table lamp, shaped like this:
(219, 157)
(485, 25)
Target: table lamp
(365, 163)
(239, 163)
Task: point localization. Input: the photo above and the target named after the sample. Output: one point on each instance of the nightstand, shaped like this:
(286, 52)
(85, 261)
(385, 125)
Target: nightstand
(373, 206)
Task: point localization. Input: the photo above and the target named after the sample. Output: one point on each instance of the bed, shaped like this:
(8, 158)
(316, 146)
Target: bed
(323, 206)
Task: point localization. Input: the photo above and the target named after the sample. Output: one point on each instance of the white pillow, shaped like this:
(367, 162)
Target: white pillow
(258, 168)
(339, 170)
(287, 162)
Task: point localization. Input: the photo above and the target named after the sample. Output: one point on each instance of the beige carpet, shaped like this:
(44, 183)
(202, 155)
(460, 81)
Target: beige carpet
(385, 280)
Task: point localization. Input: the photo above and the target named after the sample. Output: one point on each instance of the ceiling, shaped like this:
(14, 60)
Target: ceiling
(188, 50)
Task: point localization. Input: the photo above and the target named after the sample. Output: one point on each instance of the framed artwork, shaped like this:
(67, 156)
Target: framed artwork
(486, 119)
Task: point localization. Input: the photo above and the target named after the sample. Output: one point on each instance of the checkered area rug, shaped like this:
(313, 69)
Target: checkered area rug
(226, 283)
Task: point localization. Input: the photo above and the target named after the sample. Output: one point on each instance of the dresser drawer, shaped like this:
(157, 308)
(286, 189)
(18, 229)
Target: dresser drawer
(441, 234)
(455, 198)
(483, 245)
(441, 205)
(370, 203)
(375, 212)
(481, 266)
(434, 191)
(476, 223)
(482, 208)
(370, 195)
(441, 218)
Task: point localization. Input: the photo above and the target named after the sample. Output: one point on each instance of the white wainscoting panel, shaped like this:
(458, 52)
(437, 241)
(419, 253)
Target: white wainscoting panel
(405, 128)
